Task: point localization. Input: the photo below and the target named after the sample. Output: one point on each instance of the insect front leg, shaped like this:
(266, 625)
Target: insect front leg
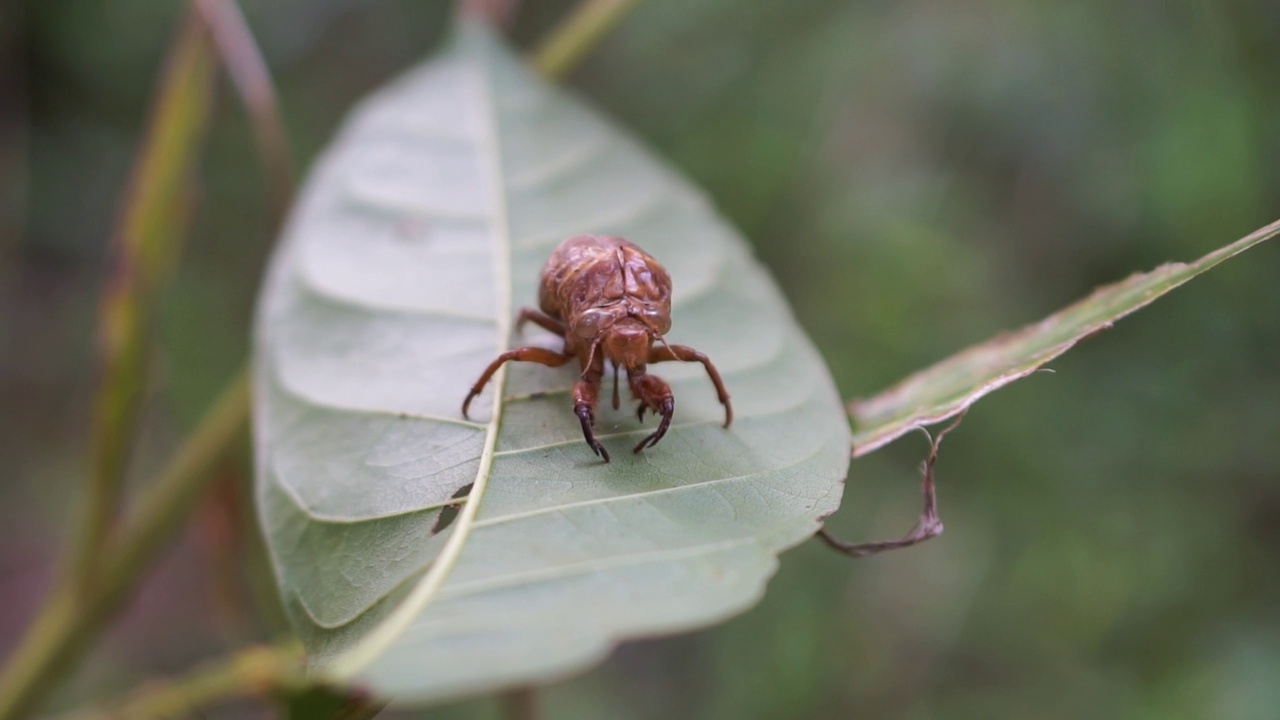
(654, 394)
(542, 356)
(684, 353)
(585, 393)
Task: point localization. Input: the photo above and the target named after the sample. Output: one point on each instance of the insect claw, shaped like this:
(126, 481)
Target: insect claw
(588, 422)
(649, 441)
(467, 403)
(668, 409)
(640, 413)
(728, 410)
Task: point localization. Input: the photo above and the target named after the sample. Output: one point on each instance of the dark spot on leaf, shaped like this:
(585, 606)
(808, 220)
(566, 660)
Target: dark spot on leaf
(450, 512)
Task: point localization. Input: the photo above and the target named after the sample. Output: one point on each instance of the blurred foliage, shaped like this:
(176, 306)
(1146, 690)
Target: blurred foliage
(919, 175)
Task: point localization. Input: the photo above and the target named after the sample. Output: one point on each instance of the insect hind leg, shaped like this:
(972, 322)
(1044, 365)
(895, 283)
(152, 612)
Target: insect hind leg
(542, 320)
(684, 353)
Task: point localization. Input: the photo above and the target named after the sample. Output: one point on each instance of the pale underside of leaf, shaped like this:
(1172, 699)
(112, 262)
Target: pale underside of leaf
(948, 388)
(421, 232)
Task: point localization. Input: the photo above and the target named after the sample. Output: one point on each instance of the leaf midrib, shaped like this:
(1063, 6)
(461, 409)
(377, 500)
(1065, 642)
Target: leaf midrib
(374, 644)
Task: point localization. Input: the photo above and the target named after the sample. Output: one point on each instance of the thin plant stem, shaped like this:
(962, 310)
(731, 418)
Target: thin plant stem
(498, 13)
(146, 245)
(579, 34)
(257, 672)
(252, 80)
(73, 616)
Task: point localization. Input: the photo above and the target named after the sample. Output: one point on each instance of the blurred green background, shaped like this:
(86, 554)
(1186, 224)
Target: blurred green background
(919, 175)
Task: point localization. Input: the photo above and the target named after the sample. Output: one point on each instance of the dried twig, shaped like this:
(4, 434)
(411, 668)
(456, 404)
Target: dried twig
(929, 525)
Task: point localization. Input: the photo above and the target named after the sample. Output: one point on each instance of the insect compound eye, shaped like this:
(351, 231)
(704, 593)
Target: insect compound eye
(658, 319)
(588, 324)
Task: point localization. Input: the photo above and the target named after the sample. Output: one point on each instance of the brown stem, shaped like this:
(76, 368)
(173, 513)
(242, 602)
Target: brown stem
(252, 79)
(520, 704)
(498, 13)
(221, 530)
(360, 709)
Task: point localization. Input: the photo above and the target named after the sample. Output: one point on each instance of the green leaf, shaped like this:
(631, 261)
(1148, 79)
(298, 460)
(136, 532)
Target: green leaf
(948, 388)
(419, 235)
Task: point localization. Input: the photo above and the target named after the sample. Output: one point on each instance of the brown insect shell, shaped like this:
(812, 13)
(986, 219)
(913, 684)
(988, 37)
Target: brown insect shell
(608, 291)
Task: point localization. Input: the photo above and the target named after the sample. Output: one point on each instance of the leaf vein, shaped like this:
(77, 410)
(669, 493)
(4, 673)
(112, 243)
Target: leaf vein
(511, 517)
